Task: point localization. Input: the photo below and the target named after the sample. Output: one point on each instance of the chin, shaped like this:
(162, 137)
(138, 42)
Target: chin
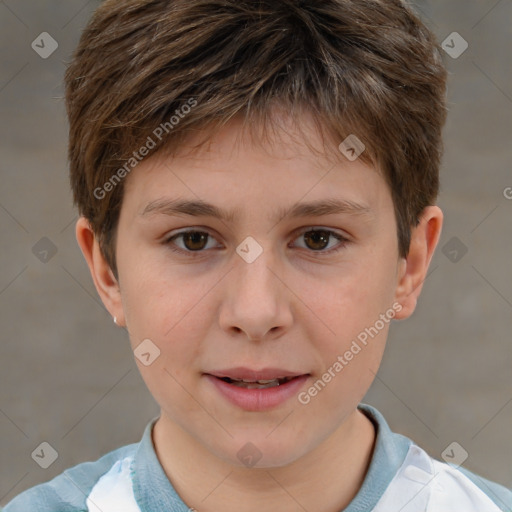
(259, 452)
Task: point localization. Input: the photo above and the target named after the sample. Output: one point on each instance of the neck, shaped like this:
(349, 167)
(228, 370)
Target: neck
(325, 480)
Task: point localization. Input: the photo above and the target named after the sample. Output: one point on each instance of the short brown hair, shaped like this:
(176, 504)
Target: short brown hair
(364, 67)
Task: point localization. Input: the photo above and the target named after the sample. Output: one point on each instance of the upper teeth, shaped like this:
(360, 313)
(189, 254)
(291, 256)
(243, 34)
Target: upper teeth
(258, 381)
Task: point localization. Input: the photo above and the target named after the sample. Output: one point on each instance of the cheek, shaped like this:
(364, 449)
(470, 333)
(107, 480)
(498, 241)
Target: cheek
(351, 299)
(349, 322)
(157, 301)
(347, 363)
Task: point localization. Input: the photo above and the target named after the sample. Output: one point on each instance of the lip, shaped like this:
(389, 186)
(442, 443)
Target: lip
(244, 373)
(257, 399)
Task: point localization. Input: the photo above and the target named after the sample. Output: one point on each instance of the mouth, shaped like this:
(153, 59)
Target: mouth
(257, 390)
(256, 384)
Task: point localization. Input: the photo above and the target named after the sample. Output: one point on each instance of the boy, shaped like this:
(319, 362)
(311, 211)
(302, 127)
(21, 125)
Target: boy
(256, 182)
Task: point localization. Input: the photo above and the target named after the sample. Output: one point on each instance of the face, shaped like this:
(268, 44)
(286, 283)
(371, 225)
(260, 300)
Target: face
(262, 293)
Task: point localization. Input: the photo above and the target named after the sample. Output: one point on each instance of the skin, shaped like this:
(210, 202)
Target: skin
(294, 307)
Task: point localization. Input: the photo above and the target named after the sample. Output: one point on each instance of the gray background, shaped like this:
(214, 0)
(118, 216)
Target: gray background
(68, 375)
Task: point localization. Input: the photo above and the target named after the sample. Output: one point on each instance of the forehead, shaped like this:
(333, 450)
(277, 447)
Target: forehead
(276, 133)
(235, 164)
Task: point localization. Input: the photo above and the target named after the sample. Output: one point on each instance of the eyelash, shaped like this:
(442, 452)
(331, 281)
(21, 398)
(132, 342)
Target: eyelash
(343, 241)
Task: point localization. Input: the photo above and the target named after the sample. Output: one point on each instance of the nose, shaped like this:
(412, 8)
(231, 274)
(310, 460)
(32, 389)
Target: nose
(256, 299)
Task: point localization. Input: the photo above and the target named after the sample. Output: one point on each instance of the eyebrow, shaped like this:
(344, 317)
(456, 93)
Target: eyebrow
(199, 208)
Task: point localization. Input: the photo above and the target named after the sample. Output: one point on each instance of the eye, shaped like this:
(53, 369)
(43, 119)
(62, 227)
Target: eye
(193, 241)
(317, 239)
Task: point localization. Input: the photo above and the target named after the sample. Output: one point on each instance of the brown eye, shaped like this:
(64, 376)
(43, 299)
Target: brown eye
(317, 240)
(192, 241)
(195, 240)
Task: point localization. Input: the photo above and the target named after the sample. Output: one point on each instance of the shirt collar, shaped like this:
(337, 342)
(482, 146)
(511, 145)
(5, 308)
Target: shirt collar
(153, 490)
(388, 456)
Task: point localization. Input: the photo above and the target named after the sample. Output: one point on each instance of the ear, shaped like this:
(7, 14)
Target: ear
(102, 275)
(412, 270)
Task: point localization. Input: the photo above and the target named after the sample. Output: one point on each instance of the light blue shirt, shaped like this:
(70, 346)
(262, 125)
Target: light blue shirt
(401, 477)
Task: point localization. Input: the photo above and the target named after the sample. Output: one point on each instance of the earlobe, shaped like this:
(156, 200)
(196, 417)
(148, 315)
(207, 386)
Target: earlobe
(413, 269)
(101, 273)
